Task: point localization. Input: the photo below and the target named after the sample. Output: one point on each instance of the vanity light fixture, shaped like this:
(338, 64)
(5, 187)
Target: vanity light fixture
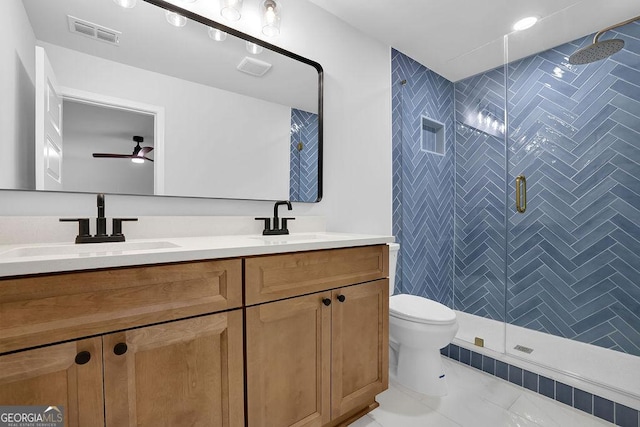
(271, 14)
(176, 19)
(217, 34)
(254, 48)
(127, 4)
(525, 23)
(231, 9)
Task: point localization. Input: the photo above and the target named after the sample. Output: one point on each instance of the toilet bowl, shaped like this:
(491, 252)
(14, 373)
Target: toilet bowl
(418, 329)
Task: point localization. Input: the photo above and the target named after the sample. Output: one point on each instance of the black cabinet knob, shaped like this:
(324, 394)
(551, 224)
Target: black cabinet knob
(326, 301)
(83, 357)
(341, 298)
(120, 349)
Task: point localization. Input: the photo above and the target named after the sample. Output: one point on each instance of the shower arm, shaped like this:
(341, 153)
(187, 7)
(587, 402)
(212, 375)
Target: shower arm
(601, 32)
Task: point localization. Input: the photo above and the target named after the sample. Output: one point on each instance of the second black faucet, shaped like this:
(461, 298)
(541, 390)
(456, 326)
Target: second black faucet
(279, 225)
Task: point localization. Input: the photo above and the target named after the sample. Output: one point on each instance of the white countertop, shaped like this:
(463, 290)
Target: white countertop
(16, 260)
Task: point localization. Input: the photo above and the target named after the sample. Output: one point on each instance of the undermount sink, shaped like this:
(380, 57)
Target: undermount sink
(85, 249)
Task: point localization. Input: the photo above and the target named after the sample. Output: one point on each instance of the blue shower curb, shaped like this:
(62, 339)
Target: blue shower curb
(592, 404)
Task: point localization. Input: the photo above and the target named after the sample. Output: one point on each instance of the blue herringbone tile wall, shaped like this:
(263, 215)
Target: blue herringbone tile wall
(303, 183)
(422, 181)
(574, 256)
(573, 259)
(480, 227)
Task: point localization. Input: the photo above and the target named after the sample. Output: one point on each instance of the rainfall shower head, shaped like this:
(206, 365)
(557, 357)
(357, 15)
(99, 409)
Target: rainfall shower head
(599, 49)
(596, 51)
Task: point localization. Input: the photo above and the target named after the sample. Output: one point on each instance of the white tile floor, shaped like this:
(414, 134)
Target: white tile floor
(475, 399)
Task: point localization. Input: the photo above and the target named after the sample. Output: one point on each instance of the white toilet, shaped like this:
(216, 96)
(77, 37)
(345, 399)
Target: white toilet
(418, 329)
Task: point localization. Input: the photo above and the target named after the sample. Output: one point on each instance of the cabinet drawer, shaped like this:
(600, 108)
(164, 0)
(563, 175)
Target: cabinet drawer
(46, 309)
(273, 277)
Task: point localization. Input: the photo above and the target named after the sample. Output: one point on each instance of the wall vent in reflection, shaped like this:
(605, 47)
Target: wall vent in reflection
(254, 67)
(94, 31)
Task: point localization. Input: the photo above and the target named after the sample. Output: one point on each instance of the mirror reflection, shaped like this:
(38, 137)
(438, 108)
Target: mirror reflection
(124, 102)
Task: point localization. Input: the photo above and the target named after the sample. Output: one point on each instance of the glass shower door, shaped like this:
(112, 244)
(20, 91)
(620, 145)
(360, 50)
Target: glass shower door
(480, 210)
(573, 255)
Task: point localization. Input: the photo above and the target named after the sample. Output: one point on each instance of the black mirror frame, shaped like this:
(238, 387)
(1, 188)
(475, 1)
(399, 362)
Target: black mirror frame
(205, 21)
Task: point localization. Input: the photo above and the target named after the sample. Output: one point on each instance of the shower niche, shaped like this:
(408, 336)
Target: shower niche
(432, 136)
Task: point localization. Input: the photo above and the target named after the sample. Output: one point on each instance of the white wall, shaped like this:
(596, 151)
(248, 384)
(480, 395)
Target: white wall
(17, 103)
(92, 129)
(210, 149)
(357, 136)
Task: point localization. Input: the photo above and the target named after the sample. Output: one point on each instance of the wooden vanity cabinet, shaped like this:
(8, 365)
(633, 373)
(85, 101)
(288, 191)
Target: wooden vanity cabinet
(67, 375)
(167, 345)
(182, 373)
(317, 359)
(164, 345)
(359, 346)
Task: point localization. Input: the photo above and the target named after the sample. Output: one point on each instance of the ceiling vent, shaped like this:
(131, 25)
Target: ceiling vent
(253, 66)
(94, 31)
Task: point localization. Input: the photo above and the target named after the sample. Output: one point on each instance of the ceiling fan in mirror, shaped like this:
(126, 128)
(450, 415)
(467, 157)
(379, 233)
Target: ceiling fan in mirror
(139, 154)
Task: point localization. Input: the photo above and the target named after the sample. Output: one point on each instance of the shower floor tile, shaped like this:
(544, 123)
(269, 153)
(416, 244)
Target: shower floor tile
(475, 399)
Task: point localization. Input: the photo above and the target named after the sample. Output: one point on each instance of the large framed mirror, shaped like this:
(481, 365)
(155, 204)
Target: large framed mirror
(117, 100)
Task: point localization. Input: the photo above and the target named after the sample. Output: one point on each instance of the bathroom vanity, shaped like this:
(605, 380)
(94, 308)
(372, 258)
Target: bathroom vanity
(260, 332)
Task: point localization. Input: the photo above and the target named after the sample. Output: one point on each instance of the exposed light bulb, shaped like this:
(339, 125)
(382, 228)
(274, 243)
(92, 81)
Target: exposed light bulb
(254, 48)
(231, 9)
(217, 34)
(271, 15)
(176, 19)
(127, 4)
(525, 23)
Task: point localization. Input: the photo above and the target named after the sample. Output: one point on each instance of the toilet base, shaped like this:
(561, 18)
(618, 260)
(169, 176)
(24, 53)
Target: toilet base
(421, 370)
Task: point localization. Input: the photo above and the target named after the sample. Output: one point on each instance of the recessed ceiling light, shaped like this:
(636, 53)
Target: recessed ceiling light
(525, 23)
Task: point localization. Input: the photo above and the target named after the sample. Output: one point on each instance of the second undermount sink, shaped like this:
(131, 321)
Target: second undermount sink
(85, 249)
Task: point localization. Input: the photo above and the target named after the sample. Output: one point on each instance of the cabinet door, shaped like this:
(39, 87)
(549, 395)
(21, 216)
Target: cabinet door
(360, 342)
(288, 362)
(183, 373)
(66, 375)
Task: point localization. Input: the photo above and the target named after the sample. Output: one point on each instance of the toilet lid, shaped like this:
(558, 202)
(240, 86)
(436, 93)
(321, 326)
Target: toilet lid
(419, 309)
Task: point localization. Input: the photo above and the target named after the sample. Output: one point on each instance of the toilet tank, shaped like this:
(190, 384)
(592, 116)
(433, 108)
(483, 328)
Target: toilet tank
(393, 262)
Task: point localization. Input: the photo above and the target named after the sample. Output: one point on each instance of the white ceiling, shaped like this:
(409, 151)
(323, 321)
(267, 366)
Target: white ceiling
(461, 38)
(149, 42)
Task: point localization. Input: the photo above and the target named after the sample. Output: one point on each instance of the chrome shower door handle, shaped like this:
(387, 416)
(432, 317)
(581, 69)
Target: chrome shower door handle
(521, 193)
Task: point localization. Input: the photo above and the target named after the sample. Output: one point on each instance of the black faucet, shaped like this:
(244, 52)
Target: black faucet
(101, 221)
(277, 227)
(101, 235)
